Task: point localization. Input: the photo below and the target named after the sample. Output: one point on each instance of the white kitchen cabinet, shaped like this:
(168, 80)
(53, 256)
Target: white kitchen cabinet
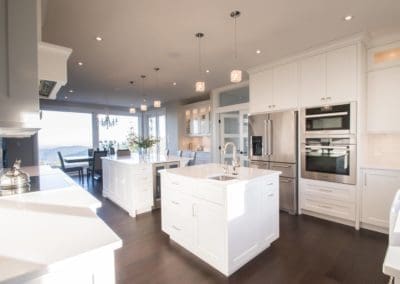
(383, 100)
(341, 75)
(274, 89)
(19, 93)
(313, 80)
(328, 199)
(285, 86)
(378, 190)
(226, 224)
(269, 200)
(261, 91)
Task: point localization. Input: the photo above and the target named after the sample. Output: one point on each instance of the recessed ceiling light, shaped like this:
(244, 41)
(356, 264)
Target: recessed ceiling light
(80, 63)
(99, 38)
(71, 91)
(207, 71)
(66, 97)
(258, 51)
(348, 18)
(174, 83)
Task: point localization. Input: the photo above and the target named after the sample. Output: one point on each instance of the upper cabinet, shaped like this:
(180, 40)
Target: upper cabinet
(341, 75)
(19, 100)
(261, 91)
(198, 119)
(274, 89)
(286, 86)
(383, 99)
(313, 80)
(328, 77)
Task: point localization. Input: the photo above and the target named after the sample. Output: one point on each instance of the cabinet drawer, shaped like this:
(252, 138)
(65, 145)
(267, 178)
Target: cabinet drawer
(177, 203)
(288, 170)
(180, 228)
(210, 192)
(342, 209)
(180, 183)
(336, 193)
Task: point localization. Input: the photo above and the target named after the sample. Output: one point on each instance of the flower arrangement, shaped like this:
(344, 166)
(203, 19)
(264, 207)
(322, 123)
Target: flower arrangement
(139, 143)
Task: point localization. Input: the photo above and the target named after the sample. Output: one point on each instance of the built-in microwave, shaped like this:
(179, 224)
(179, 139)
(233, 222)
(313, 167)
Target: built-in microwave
(329, 120)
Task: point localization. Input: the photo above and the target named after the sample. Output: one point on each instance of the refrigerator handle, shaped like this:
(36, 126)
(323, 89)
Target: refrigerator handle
(270, 133)
(265, 142)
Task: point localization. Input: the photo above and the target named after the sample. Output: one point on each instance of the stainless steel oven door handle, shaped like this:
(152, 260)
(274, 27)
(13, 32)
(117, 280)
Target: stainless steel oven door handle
(327, 114)
(345, 148)
(265, 142)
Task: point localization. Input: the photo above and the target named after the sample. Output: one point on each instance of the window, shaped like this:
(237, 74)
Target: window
(156, 128)
(67, 132)
(117, 134)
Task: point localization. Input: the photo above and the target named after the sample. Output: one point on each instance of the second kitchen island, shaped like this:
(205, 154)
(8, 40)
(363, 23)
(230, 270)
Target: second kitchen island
(226, 220)
(133, 183)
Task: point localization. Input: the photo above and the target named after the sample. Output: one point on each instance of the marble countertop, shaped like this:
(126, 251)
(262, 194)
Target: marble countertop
(151, 159)
(44, 229)
(206, 171)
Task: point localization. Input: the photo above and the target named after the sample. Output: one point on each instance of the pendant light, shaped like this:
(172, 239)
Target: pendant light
(132, 109)
(200, 85)
(143, 106)
(157, 103)
(236, 74)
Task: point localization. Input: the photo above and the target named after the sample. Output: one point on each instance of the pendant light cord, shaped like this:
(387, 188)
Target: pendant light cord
(235, 38)
(199, 55)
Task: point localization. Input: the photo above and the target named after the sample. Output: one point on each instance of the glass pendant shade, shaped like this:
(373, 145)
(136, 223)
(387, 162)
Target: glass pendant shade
(132, 110)
(157, 103)
(200, 86)
(143, 107)
(236, 76)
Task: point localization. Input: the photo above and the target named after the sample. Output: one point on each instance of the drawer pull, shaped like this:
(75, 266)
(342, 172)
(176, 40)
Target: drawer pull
(270, 194)
(324, 206)
(325, 190)
(176, 228)
(271, 183)
(175, 182)
(175, 202)
(281, 166)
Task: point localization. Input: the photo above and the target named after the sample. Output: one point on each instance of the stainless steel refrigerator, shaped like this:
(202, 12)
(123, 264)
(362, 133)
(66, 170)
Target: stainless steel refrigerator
(273, 144)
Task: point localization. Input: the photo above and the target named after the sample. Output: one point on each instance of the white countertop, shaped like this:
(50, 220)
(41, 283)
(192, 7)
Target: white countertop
(206, 171)
(151, 159)
(41, 230)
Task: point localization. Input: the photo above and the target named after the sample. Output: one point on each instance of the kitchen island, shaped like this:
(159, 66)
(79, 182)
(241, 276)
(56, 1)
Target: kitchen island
(133, 183)
(224, 219)
(53, 235)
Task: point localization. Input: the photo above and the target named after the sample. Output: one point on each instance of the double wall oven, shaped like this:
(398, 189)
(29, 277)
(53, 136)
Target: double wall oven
(328, 143)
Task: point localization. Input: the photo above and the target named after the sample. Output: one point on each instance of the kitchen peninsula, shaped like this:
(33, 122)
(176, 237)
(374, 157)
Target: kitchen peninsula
(53, 235)
(224, 219)
(133, 182)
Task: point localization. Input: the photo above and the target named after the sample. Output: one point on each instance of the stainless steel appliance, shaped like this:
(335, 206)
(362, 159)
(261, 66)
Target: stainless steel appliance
(157, 181)
(329, 120)
(273, 141)
(329, 158)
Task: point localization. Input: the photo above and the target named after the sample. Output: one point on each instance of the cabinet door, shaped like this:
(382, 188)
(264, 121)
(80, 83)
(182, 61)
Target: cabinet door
(286, 86)
(341, 75)
(313, 80)
(378, 193)
(269, 215)
(261, 91)
(384, 100)
(210, 231)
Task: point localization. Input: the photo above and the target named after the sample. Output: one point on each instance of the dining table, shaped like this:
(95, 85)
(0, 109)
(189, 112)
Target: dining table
(78, 159)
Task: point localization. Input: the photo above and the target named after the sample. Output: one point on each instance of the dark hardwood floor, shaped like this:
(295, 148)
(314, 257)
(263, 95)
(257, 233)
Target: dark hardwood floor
(309, 250)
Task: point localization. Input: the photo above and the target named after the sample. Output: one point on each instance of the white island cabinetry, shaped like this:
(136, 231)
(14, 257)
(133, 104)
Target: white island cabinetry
(225, 223)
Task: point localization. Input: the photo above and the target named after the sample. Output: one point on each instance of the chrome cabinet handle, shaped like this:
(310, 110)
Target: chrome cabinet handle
(323, 99)
(270, 194)
(175, 202)
(325, 190)
(271, 183)
(193, 210)
(286, 181)
(280, 166)
(176, 228)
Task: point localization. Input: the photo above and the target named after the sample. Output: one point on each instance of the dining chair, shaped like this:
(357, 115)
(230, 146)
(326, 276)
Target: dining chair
(96, 170)
(191, 155)
(123, 152)
(166, 152)
(68, 169)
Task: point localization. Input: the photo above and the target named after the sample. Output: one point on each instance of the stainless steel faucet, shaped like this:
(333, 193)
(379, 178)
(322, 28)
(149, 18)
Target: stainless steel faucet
(235, 161)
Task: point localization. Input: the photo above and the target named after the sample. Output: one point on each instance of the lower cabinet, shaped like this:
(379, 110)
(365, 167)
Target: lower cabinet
(378, 191)
(226, 225)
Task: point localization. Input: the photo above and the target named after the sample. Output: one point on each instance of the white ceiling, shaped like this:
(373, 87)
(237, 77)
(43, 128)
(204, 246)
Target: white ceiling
(141, 34)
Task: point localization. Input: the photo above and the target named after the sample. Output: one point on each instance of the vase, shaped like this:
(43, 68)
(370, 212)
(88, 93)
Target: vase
(143, 154)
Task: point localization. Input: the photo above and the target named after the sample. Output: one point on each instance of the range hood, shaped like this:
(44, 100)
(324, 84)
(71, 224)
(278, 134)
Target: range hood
(52, 61)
